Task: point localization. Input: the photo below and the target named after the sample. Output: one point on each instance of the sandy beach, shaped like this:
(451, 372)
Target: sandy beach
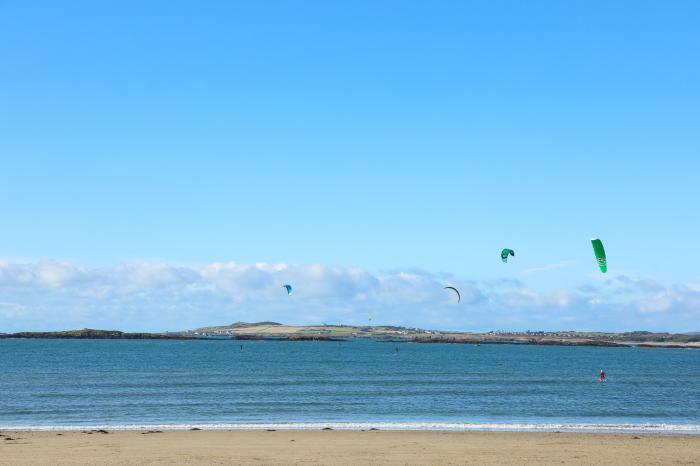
(344, 448)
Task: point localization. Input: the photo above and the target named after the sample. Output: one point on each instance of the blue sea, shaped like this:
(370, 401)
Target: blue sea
(122, 384)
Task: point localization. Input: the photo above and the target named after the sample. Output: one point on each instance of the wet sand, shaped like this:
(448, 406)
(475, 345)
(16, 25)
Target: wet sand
(344, 448)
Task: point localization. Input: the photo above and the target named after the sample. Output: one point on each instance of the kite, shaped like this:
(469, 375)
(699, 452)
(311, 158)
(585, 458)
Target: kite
(599, 252)
(459, 297)
(505, 253)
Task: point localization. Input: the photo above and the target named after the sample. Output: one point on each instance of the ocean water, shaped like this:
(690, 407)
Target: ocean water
(58, 384)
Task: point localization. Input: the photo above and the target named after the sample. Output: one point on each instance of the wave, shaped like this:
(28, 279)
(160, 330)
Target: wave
(395, 426)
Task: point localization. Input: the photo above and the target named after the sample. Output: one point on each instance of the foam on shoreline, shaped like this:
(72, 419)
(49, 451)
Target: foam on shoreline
(389, 426)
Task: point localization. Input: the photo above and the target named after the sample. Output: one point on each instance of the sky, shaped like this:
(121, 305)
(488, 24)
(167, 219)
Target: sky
(168, 165)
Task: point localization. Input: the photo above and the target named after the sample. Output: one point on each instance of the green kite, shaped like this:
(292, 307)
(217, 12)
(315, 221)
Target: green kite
(599, 252)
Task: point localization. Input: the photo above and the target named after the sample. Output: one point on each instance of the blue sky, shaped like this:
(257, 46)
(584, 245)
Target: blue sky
(389, 138)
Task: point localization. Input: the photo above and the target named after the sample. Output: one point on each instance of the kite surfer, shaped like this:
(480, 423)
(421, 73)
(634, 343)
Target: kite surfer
(601, 376)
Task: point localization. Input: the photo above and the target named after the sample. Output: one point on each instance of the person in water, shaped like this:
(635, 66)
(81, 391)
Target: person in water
(601, 376)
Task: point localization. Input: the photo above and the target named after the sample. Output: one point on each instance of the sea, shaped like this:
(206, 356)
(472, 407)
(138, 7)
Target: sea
(219, 384)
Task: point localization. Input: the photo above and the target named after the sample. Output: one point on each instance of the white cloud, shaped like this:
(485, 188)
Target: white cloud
(161, 296)
(660, 302)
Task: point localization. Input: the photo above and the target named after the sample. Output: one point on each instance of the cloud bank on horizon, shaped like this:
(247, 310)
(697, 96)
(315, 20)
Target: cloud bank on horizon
(157, 296)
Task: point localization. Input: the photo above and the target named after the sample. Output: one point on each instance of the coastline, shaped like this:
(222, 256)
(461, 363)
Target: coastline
(524, 427)
(241, 332)
(298, 447)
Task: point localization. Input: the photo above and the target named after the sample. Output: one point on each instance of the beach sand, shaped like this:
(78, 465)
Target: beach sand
(345, 448)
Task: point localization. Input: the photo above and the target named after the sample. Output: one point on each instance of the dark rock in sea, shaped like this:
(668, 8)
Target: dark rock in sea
(327, 428)
(195, 428)
(271, 430)
(374, 428)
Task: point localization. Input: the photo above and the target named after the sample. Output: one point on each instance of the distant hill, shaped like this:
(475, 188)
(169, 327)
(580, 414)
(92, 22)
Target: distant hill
(88, 333)
(253, 324)
(277, 331)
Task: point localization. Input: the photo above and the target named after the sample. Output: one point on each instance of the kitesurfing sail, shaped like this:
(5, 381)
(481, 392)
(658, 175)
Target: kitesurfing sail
(599, 252)
(505, 253)
(459, 297)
